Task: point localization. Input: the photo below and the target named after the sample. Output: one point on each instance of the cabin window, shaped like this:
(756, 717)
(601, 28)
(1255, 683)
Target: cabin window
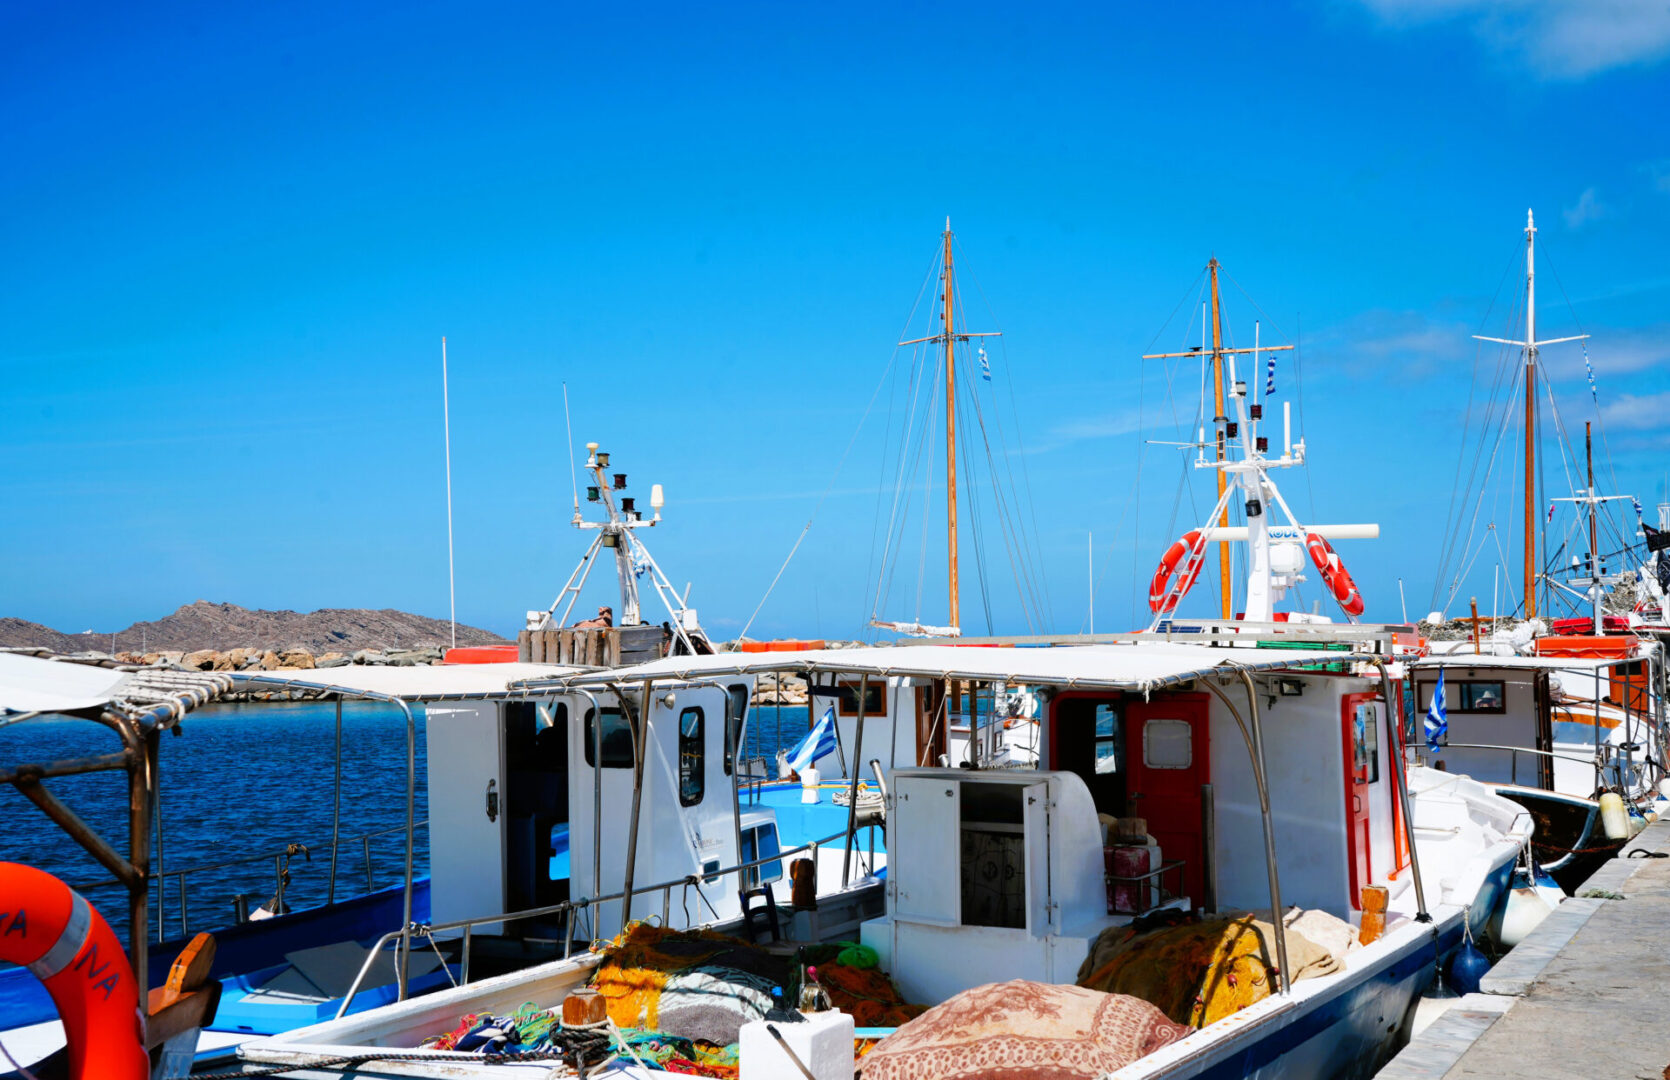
(691, 756)
(1168, 744)
(760, 842)
(736, 709)
(1468, 696)
(1365, 743)
(1107, 739)
(617, 739)
(874, 698)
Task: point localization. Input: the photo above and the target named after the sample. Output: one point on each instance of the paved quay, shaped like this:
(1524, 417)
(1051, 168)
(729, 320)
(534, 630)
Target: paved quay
(1583, 997)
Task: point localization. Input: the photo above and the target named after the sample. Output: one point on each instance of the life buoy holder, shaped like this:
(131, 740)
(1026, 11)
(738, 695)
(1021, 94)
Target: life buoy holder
(1162, 598)
(53, 931)
(1334, 574)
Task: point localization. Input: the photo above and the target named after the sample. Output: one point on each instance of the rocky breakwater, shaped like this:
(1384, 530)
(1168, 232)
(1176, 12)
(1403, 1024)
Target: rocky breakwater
(291, 659)
(772, 688)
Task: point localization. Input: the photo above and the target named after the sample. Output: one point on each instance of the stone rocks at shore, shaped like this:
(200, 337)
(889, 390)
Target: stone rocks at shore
(292, 658)
(774, 689)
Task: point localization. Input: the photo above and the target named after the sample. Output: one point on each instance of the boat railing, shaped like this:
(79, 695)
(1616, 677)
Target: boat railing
(567, 910)
(1515, 751)
(281, 863)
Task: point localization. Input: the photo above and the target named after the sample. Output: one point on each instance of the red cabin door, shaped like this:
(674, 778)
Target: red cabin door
(1167, 749)
(1361, 718)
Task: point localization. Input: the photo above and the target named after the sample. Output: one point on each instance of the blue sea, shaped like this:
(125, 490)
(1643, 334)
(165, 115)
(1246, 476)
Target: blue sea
(240, 783)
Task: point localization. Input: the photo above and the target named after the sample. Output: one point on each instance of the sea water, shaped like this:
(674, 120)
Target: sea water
(238, 785)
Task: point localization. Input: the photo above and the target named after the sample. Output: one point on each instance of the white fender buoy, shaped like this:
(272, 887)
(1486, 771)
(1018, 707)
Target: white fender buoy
(809, 786)
(1523, 912)
(1614, 817)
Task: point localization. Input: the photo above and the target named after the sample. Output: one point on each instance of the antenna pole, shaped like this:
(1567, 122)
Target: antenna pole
(1090, 566)
(1594, 537)
(446, 427)
(573, 477)
(950, 435)
(1220, 420)
(1530, 539)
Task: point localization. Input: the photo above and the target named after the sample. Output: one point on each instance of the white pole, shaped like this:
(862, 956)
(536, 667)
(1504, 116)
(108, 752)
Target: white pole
(446, 424)
(1090, 551)
(568, 426)
(1402, 603)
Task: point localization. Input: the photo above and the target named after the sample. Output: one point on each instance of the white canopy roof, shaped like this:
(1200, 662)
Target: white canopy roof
(1142, 666)
(31, 684)
(416, 683)
(1515, 661)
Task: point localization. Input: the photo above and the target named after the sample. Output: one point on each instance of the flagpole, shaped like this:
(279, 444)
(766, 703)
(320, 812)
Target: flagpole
(446, 424)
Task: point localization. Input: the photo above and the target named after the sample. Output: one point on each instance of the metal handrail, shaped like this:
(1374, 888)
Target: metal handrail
(567, 908)
(159, 878)
(1513, 764)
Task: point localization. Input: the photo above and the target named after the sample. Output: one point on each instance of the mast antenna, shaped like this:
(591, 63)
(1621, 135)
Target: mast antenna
(573, 476)
(446, 427)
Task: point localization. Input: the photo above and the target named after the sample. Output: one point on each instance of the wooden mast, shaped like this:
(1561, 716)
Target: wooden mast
(1219, 420)
(948, 337)
(950, 438)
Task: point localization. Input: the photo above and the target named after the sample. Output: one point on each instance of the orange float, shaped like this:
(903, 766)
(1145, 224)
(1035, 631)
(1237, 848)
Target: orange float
(1162, 600)
(53, 931)
(1334, 574)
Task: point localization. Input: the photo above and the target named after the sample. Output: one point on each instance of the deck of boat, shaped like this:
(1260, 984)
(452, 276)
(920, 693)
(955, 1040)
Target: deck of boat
(1581, 997)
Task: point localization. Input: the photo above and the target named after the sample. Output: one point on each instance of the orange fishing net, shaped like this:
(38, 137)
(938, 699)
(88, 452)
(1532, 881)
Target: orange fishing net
(868, 995)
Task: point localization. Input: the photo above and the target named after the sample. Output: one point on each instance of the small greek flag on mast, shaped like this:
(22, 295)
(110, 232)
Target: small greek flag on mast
(985, 365)
(1270, 375)
(1437, 719)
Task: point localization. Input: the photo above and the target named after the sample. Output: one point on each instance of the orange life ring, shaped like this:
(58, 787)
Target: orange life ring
(1334, 574)
(54, 932)
(1161, 598)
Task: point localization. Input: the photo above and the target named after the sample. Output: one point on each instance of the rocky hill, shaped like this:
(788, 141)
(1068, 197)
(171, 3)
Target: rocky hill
(203, 625)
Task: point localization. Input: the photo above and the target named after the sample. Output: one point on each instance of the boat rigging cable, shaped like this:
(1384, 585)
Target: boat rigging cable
(1498, 419)
(994, 493)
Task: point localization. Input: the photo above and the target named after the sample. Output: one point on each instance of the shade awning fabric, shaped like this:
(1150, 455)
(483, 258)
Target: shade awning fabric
(33, 684)
(1483, 661)
(417, 683)
(1143, 667)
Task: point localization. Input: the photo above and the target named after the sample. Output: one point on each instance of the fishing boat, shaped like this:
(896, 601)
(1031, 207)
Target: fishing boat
(1558, 716)
(1193, 772)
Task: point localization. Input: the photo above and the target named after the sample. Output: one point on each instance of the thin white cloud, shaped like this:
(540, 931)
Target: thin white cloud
(1644, 412)
(1559, 39)
(1587, 208)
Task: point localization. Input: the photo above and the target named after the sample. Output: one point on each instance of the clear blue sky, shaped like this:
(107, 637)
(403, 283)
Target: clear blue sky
(233, 238)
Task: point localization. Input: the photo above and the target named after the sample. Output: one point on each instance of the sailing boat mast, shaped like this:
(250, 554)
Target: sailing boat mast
(1532, 348)
(1219, 420)
(948, 337)
(950, 437)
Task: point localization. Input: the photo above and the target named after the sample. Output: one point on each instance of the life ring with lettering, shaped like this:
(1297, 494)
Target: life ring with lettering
(53, 931)
(1162, 599)
(1334, 574)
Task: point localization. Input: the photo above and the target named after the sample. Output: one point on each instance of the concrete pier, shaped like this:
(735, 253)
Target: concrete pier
(1583, 996)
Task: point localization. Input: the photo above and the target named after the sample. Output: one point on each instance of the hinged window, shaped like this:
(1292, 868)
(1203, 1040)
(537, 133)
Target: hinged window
(1168, 744)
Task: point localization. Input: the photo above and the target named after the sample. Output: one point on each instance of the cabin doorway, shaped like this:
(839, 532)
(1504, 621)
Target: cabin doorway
(1087, 737)
(536, 805)
(1168, 751)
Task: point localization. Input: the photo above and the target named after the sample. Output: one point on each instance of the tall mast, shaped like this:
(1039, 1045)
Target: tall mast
(1532, 347)
(1594, 530)
(1219, 420)
(950, 437)
(1530, 542)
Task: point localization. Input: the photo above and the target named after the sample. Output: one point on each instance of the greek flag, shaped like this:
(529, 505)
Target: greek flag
(1590, 368)
(1437, 721)
(1270, 376)
(819, 742)
(1637, 503)
(985, 365)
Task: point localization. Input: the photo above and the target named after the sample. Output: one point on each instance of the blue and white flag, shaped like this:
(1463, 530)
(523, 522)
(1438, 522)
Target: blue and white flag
(819, 742)
(1437, 720)
(985, 365)
(1590, 368)
(1270, 376)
